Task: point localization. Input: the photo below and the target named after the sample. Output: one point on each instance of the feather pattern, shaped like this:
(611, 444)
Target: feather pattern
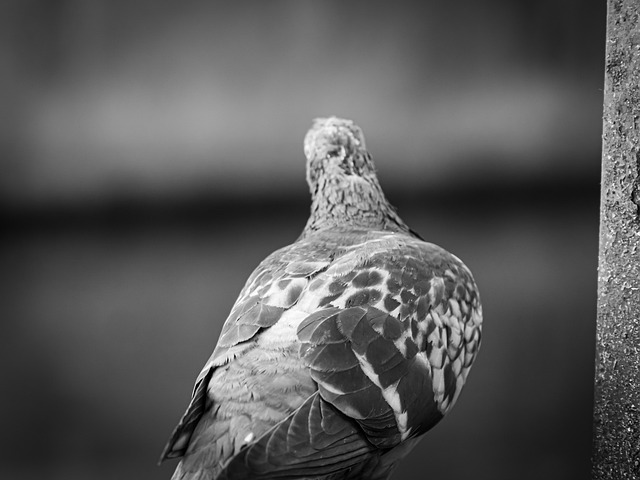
(342, 349)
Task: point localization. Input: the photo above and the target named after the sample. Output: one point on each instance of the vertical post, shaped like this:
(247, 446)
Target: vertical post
(616, 441)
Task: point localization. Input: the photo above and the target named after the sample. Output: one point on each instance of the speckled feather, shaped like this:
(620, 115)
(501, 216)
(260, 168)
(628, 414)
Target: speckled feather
(342, 349)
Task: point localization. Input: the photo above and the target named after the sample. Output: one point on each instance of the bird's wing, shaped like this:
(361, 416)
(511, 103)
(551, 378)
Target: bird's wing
(395, 341)
(273, 287)
(313, 441)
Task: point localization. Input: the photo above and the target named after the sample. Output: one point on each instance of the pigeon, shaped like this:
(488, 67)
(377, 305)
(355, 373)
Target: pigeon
(342, 348)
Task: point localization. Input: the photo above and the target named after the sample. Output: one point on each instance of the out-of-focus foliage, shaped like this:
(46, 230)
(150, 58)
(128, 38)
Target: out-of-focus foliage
(154, 98)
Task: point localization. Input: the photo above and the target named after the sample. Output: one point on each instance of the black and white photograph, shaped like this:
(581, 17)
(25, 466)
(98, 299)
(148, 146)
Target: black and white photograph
(320, 240)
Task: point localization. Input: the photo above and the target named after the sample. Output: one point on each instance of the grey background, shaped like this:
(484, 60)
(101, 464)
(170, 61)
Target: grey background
(152, 156)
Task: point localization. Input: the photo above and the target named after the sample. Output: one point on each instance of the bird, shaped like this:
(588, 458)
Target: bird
(343, 348)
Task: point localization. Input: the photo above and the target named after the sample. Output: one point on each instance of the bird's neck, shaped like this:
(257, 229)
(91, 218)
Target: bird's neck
(351, 201)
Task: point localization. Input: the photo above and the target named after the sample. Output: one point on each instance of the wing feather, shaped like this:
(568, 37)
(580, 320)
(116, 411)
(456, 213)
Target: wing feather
(314, 440)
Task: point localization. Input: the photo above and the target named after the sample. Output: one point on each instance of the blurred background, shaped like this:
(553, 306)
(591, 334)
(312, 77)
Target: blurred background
(151, 156)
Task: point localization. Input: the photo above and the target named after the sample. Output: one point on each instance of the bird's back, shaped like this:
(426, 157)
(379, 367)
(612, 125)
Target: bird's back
(373, 332)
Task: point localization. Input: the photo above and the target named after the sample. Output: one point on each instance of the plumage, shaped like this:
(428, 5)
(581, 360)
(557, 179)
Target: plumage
(342, 348)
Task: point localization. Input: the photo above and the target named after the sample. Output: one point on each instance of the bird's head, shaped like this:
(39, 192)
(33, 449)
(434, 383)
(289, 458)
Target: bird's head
(335, 148)
(345, 191)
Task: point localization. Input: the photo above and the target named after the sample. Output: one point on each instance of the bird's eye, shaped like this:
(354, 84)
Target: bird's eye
(335, 152)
